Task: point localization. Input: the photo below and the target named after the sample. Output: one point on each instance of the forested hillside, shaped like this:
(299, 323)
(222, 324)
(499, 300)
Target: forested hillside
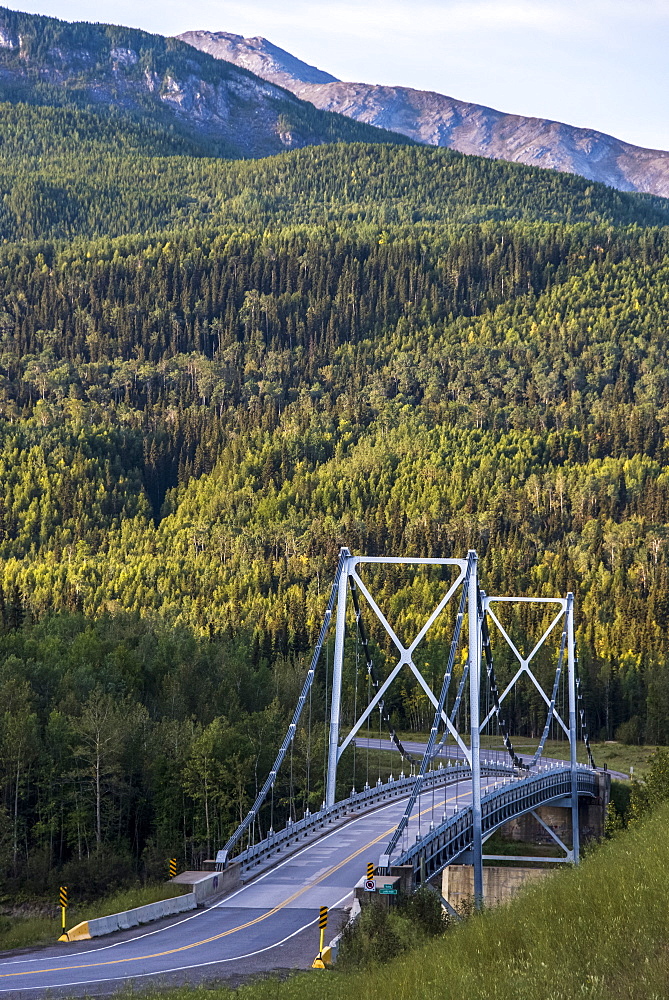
(139, 180)
(213, 374)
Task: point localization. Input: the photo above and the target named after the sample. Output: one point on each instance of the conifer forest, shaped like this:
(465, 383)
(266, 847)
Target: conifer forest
(216, 372)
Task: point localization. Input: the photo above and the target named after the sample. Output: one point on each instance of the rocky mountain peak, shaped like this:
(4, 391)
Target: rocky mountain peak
(221, 107)
(258, 55)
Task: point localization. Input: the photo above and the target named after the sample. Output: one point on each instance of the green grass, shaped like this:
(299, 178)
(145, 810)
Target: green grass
(518, 848)
(599, 931)
(620, 757)
(617, 756)
(25, 932)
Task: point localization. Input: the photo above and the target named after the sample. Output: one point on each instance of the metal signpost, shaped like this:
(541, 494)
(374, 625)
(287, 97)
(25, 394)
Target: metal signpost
(63, 906)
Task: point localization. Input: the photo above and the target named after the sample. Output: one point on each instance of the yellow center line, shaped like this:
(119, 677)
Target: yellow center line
(233, 930)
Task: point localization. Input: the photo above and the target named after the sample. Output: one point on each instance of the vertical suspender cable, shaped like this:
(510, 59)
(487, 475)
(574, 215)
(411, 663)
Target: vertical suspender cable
(554, 697)
(581, 712)
(355, 700)
(371, 670)
(455, 710)
(325, 725)
(369, 728)
(290, 735)
(309, 749)
(492, 682)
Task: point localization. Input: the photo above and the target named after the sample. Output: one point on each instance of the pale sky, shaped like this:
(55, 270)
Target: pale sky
(601, 64)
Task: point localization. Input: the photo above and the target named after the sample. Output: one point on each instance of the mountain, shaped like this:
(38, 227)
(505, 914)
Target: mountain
(438, 120)
(214, 107)
(259, 56)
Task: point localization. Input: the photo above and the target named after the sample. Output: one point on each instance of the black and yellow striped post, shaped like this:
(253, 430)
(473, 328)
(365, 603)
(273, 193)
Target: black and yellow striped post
(370, 869)
(322, 924)
(62, 896)
(319, 962)
(172, 866)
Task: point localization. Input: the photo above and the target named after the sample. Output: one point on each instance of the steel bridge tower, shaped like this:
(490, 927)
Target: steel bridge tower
(476, 614)
(475, 606)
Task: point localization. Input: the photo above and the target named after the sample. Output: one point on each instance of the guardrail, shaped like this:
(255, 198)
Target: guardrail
(367, 799)
(443, 844)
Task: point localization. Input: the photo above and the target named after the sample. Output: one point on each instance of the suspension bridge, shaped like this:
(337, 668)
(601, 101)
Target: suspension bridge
(465, 781)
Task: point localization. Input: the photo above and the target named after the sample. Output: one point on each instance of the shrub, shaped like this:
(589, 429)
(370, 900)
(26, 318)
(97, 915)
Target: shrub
(380, 933)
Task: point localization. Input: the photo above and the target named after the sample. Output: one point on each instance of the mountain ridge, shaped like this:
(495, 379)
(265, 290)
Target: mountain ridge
(436, 119)
(224, 109)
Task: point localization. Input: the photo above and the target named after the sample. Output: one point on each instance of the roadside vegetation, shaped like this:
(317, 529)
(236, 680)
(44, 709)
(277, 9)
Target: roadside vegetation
(34, 924)
(629, 758)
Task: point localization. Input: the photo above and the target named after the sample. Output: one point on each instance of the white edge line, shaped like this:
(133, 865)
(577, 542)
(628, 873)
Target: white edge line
(221, 903)
(181, 968)
(198, 965)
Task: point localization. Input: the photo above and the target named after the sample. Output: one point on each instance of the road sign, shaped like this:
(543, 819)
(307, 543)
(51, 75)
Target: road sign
(323, 918)
(387, 892)
(172, 863)
(370, 869)
(370, 885)
(63, 895)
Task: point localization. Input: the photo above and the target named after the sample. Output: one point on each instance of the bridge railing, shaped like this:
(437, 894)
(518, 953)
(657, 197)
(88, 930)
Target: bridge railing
(366, 799)
(444, 843)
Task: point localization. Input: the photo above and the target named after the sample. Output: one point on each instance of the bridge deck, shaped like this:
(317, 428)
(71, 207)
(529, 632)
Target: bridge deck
(254, 928)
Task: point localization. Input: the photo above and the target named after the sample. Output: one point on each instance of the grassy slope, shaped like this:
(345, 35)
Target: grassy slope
(599, 931)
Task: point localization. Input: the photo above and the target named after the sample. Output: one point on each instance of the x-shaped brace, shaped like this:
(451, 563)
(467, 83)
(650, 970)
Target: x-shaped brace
(525, 660)
(406, 653)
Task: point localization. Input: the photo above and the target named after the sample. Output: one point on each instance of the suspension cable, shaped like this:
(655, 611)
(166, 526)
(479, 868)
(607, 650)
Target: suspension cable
(290, 734)
(494, 690)
(369, 729)
(454, 711)
(355, 702)
(427, 756)
(311, 689)
(271, 814)
(581, 711)
(556, 688)
(325, 730)
(291, 787)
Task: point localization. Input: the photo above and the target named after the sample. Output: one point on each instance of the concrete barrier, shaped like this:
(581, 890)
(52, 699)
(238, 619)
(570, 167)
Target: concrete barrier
(128, 919)
(207, 884)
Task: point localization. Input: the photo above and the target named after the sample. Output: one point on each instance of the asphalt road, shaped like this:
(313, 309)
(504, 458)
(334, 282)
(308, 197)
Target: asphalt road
(268, 924)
